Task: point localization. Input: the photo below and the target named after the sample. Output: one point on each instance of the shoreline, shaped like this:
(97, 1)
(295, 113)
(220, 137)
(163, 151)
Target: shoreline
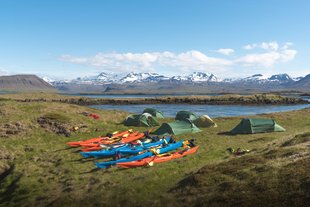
(258, 99)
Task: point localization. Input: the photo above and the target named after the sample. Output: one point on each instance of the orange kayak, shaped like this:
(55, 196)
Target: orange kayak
(97, 139)
(158, 159)
(96, 146)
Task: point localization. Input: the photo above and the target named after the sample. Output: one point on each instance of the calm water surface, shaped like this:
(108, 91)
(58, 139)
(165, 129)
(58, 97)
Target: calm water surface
(170, 110)
(133, 95)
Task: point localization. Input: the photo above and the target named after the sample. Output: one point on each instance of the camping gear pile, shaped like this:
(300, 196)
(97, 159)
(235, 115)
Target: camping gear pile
(238, 151)
(134, 149)
(93, 115)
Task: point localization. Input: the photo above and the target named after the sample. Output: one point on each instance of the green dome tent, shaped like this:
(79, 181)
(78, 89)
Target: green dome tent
(177, 127)
(144, 119)
(186, 115)
(205, 121)
(257, 125)
(154, 112)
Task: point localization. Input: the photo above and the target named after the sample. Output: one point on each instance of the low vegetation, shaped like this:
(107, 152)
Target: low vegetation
(37, 168)
(256, 99)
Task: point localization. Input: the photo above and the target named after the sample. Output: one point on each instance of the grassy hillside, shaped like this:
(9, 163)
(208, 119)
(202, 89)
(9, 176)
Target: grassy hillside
(37, 169)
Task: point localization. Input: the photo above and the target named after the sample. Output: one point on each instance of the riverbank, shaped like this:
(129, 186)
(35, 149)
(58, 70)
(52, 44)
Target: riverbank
(257, 99)
(37, 169)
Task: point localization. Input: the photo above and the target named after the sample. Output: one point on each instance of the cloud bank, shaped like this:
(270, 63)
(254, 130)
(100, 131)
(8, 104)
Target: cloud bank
(226, 51)
(258, 55)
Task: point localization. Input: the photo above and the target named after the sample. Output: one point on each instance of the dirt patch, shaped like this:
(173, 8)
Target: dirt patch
(10, 129)
(54, 126)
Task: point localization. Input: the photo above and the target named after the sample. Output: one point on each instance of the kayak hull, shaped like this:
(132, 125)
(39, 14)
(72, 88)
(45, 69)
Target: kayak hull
(168, 148)
(158, 159)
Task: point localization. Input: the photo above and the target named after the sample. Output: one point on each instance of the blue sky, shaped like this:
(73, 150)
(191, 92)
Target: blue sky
(230, 38)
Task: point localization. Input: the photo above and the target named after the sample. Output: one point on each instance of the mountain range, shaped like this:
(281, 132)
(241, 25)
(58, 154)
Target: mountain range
(196, 82)
(195, 77)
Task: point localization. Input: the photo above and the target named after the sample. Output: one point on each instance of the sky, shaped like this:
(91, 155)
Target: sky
(229, 38)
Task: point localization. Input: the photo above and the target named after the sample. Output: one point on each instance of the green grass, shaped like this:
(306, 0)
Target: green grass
(48, 173)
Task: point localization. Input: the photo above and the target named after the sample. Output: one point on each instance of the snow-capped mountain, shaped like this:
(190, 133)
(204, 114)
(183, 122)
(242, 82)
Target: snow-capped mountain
(103, 77)
(254, 78)
(142, 77)
(195, 77)
(178, 78)
(281, 78)
(202, 77)
(48, 80)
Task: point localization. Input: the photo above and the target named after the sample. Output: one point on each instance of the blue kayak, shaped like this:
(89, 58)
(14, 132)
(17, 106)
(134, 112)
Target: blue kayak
(136, 149)
(162, 150)
(124, 150)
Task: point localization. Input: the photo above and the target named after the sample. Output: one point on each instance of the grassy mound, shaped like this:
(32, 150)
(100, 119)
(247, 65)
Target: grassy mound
(249, 180)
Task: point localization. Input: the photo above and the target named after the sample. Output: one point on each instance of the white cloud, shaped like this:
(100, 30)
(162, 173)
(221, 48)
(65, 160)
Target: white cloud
(249, 47)
(226, 51)
(124, 62)
(287, 45)
(273, 53)
(271, 46)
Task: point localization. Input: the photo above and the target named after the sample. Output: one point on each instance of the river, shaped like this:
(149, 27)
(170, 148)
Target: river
(170, 110)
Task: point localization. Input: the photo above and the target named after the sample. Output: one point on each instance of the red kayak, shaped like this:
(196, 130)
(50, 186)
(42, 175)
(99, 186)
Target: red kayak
(96, 146)
(98, 139)
(109, 140)
(158, 159)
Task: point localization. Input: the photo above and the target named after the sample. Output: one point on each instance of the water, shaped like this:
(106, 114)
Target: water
(132, 95)
(170, 110)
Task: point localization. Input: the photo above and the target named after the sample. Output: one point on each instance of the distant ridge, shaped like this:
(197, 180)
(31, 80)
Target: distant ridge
(24, 83)
(195, 83)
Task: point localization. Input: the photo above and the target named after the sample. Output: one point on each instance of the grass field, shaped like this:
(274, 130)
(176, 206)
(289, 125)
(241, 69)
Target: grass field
(37, 169)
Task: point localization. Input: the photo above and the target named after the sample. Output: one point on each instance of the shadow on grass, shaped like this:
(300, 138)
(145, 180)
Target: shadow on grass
(7, 194)
(83, 160)
(91, 171)
(64, 149)
(228, 133)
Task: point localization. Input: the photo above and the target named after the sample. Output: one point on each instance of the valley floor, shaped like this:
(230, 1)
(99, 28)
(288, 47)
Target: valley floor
(37, 169)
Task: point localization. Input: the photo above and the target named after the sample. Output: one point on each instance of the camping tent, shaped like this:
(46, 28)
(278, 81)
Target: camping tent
(144, 119)
(177, 127)
(154, 112)
(252, 126)
(186, 115)
(205, 121)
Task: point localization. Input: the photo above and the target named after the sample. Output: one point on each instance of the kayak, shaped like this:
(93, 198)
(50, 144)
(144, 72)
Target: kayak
(125, 149)
(97, 139)
(128, 159)
(148, 153)
(127, 139)
(149, 161)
